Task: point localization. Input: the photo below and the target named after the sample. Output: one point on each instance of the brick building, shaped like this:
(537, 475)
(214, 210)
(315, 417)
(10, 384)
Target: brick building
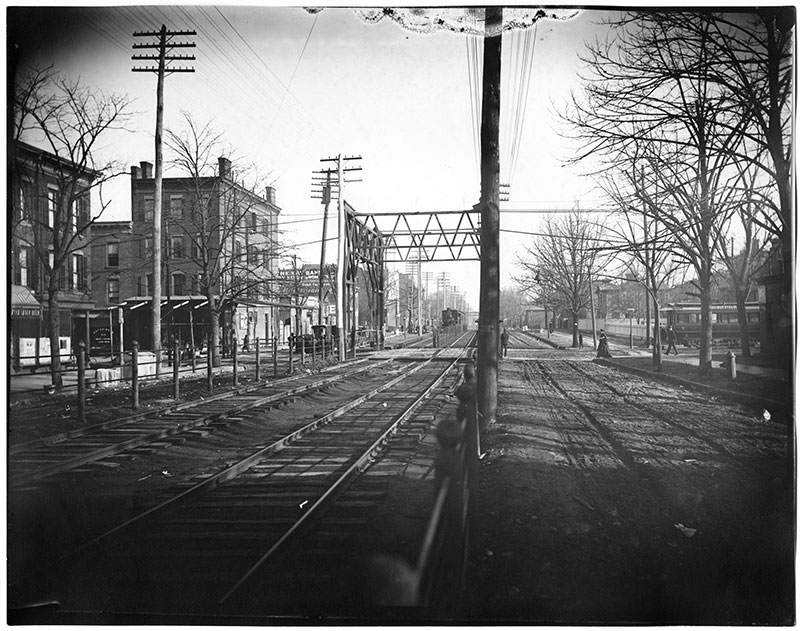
(219, 241)
(50, 210)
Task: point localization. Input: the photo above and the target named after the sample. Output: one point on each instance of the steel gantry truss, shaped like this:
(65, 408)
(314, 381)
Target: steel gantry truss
(416, 237)
(450, 235)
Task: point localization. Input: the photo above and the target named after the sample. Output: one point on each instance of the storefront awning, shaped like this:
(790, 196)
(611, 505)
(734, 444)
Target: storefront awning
(24, 303)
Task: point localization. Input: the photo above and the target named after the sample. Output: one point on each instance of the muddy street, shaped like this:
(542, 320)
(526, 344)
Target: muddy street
(609, 499)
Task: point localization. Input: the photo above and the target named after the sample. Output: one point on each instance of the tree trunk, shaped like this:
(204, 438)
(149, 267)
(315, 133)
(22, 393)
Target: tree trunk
(741, 314)
(213, 325)
(648, 296)
(657, 337)
(574, 329)
(705, 328)
(55, 334)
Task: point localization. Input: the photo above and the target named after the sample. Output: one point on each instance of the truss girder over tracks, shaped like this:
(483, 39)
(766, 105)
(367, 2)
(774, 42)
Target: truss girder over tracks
(452, 235)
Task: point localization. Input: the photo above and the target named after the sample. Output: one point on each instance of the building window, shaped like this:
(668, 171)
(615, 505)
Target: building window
(112, 291)
(80, 213)
(146, 248)
(147, 210)
(22, 265)
(196, 247)
(25, 201)
(112, 254)
(143, 284)
(79, 271)
(253, 221)
(252, 256)
(176, 206)
(176, 247)
(52, 204)
(178, 284)
(197, 284)
(265, 227)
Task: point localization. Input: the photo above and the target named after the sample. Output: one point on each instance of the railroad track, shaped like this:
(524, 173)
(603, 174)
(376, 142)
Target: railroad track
(215, 546)
(523, 341)
(35, 460)
(623, 416)
(682, 408)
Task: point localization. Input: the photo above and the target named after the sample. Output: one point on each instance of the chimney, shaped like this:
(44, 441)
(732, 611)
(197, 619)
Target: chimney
(270, 194)
(224, 167)
(135, 173)
(147, 170)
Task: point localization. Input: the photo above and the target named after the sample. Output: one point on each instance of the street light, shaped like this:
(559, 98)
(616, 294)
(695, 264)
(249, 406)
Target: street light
(630, 323)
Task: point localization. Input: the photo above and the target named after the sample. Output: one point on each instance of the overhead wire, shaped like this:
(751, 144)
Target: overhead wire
(291, 80)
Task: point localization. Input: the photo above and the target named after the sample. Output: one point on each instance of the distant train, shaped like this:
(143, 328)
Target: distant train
(684, 318)
(451, 317)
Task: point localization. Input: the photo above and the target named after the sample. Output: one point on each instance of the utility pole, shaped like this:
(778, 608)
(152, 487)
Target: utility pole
(341, 257)
(162, 59)
(489, 320)
(325, 196)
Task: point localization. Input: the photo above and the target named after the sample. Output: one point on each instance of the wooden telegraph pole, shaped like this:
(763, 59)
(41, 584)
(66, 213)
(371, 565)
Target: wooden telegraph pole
(489, 319)
(341, 257)
(162, 58)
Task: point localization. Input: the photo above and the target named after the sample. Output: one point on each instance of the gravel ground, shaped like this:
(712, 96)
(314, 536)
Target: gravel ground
(673, 508)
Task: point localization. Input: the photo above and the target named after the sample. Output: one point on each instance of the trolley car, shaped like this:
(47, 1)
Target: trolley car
(684, 318)
(451, 317)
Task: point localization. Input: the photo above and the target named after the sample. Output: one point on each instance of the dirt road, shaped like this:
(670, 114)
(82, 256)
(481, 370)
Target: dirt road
(608, 499)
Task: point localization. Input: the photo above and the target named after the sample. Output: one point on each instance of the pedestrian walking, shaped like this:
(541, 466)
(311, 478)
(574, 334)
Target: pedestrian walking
(504, 343)
(246, 343)
(671, 341)
(580, 339)
(602, 345)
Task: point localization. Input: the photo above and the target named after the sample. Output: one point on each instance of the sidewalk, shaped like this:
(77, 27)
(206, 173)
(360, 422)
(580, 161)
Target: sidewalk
(688, 356)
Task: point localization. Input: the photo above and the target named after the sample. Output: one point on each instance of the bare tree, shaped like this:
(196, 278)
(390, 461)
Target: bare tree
(653, 95)
(753, 62)
(646, 244)
(219, 223)
(741, 265)
(561, 263)
(68, 120)
(511, 306)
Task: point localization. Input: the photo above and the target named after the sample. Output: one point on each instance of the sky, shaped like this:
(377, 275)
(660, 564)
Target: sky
(287, 87)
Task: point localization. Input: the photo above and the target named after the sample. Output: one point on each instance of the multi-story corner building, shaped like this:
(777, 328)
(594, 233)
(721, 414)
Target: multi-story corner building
(219, 244)
(49, 253)
(114, 269)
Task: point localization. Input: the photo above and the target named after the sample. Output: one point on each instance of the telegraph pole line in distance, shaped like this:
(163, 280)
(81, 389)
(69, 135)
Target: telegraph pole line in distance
(161, 59)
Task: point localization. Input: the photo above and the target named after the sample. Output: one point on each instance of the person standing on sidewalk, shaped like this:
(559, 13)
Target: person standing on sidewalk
(580, 339)
(602, 345)
(504, 343)
(671, 341)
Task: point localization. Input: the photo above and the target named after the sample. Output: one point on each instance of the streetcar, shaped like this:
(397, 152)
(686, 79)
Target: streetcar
(684, 318)
(451, 317)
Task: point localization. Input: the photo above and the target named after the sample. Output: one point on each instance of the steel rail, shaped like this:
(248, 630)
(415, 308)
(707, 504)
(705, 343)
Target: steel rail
(54, 439)
(182, 426)
(358, 467)
(236, 469)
